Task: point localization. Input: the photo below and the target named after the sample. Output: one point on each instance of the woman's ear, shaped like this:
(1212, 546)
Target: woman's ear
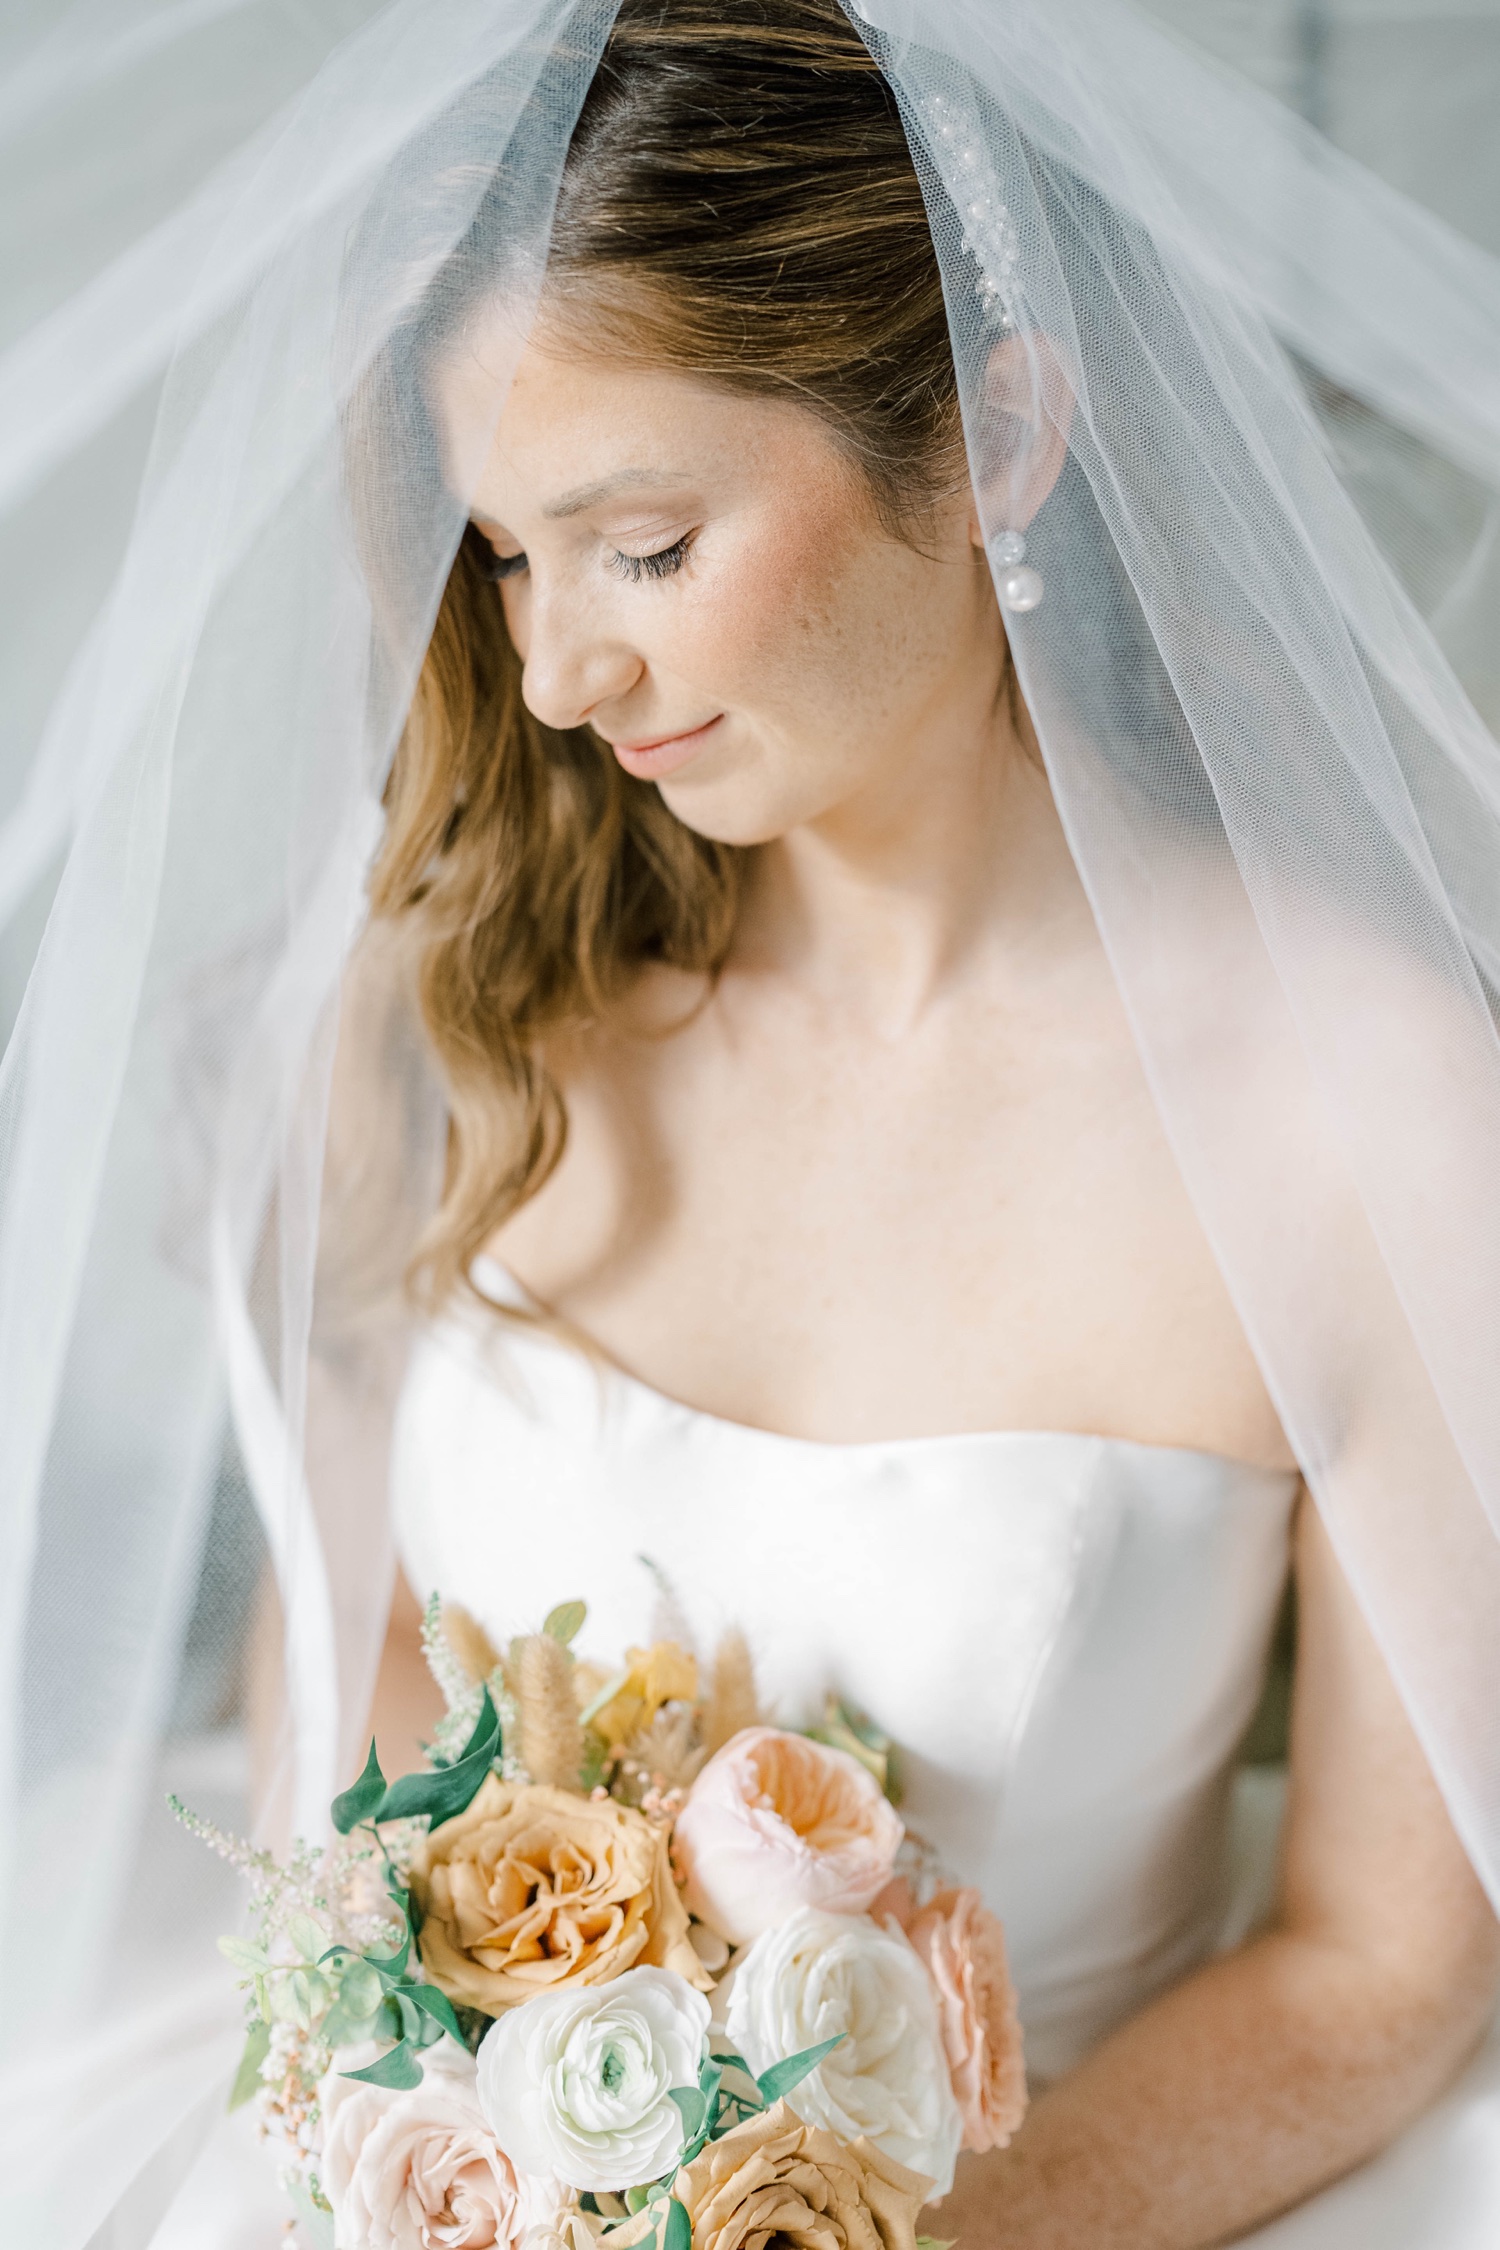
(1018, 432)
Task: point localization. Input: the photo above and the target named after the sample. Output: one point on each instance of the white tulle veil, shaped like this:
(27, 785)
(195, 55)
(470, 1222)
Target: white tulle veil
(1259, 676)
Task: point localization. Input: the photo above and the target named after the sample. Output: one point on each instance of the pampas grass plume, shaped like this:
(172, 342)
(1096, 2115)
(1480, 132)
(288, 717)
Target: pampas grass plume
(731, 1701)
(469, 1642)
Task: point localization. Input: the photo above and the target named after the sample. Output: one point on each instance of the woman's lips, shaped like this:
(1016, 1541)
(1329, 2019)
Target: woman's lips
(649, 761)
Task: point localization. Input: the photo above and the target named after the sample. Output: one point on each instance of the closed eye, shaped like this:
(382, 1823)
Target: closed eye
(486, 561)
(663, 564)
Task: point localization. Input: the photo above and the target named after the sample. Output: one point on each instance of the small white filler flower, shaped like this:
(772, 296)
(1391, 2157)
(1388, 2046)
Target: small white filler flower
(578, 2082)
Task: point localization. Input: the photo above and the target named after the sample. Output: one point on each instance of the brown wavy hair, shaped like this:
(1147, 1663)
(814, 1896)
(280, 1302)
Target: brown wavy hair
(739, 202)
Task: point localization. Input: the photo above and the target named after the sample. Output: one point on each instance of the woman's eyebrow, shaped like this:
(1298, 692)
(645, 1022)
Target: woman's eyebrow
(589, 495)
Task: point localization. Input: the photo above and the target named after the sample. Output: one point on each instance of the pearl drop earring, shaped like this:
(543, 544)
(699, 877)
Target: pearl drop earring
(1019, 586)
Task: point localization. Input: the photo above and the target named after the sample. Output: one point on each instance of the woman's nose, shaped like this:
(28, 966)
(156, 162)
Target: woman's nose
(571, 663)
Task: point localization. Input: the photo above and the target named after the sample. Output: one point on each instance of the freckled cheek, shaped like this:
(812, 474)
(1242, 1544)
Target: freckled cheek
(775, 623)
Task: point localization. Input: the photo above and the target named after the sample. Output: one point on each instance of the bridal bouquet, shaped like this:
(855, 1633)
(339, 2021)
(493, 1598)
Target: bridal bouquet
(624, 1962)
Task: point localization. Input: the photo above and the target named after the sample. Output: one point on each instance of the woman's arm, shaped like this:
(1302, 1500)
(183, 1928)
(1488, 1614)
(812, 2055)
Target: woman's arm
(1282, 2065)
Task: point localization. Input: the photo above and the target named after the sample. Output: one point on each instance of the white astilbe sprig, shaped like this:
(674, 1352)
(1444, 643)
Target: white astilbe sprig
(341, 1887)
(461, 1691)
(464, 1694)
(464, 1697)
(278, 1888)
(311, 1915)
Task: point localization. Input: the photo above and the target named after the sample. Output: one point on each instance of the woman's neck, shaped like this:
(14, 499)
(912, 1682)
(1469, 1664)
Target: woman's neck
(881, 905)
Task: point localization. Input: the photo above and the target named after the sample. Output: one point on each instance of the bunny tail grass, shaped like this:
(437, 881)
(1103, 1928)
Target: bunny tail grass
(551, 1738)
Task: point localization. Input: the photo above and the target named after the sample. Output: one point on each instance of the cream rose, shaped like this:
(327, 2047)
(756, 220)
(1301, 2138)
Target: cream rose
(962, 1946)
(580, 2083)
(777, 2180)
(775, 1822)
(421, 2169)
(533, 1889)
(818, 1974)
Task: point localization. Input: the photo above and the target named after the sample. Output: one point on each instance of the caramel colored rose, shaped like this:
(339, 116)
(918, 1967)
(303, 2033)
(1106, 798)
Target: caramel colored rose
(534, 1888)
(776, 2180)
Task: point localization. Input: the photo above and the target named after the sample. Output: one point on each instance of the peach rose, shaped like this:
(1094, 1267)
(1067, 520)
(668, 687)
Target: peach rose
(534, 1888)
(776, 2180)
(963, 1948)
(775, 1822)
(408, 2171)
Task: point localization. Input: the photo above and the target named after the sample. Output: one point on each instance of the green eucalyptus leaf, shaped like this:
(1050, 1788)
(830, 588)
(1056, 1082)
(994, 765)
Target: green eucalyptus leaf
(450, 1790)
(398, 2069)
(679, 2228)
(314, 2221)
(606, 1695)
(739, 2095)
(360, 1989)
(242, 1954)
(389, 1966)
(783, 2076)
(308, 1936)
(247, 2079)
(693, 2106)
(301, 2004)
(565, 1623)
(359, 1801)
(341, 2027)
(283, 1997)
(636, 2199)
(438, 2007)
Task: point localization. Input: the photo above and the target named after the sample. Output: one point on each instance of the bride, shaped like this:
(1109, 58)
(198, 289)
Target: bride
(950, 895)
(789, 1075)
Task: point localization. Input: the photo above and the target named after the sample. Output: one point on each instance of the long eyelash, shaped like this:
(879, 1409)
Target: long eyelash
(486, 561)
(662, 564)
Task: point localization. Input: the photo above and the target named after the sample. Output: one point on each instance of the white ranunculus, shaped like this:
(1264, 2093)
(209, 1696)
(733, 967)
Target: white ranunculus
(578, 2082)
(406, 2170)
(817, 1974)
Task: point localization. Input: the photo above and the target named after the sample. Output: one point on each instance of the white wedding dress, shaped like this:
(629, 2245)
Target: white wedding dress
(1065, 1635)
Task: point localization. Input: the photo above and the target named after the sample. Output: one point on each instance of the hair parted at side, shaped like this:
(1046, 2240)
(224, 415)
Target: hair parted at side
(738, 202)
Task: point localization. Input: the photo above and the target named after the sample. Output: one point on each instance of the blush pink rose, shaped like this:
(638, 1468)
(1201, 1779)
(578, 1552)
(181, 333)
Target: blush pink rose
(962, 1946)
(421, 2170)
(775, 1822)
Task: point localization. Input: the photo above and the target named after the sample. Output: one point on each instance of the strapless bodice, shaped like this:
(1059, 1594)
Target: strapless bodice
(1065, 1635)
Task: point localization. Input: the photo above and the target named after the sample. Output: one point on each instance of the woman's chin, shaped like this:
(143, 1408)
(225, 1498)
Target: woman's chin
(729, 808)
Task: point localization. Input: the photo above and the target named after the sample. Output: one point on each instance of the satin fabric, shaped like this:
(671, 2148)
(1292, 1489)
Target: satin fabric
(1066, 1636)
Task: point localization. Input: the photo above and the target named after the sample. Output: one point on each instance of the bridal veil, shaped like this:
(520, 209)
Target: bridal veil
(1263, 674)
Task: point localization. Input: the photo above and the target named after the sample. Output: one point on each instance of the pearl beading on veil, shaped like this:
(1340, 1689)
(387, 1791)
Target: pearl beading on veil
(989, 232)
(990, 241)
